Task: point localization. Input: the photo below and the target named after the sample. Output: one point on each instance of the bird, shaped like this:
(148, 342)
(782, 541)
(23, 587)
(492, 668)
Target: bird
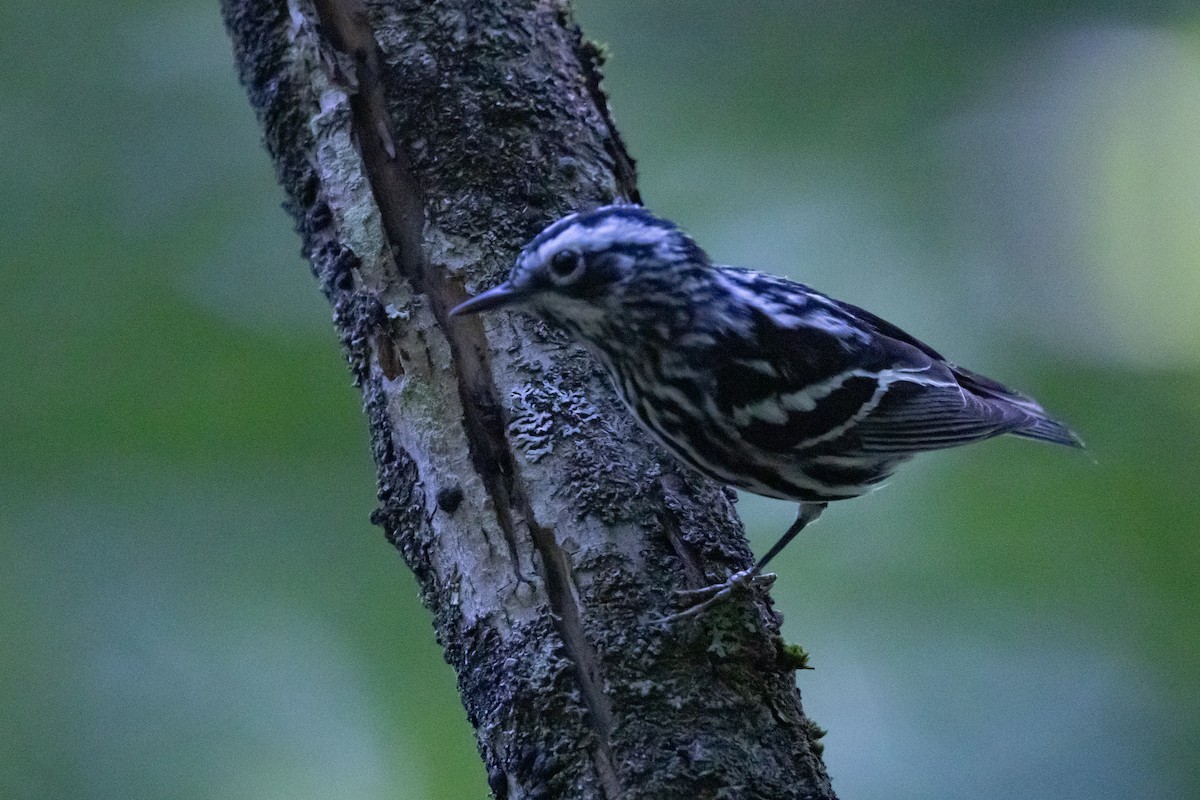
(756, 381)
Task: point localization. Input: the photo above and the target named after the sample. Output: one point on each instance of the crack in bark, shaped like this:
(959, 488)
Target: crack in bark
(401, 205)
(692, 568)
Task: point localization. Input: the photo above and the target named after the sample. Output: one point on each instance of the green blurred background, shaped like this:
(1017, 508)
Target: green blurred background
(193, 604)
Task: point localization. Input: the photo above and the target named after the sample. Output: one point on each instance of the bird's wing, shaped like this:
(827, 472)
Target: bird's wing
(914, 416)
(804, 370)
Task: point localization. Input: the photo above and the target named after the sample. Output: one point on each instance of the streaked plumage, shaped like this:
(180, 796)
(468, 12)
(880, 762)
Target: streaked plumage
(757, 381)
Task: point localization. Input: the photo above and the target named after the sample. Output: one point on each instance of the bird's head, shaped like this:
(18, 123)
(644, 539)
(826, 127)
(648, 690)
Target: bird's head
(597, 270)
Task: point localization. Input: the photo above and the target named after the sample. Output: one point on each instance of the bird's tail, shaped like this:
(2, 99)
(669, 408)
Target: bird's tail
(1045, 429)
(1037, 425)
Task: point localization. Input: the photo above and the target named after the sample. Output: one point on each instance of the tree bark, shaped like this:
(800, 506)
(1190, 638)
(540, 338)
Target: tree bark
(420, 144)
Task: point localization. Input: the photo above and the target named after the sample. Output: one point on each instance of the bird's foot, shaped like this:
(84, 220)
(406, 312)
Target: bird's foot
(702, 599)
(734, 581)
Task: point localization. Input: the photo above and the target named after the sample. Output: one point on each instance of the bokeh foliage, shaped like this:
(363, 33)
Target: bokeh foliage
(193, 604)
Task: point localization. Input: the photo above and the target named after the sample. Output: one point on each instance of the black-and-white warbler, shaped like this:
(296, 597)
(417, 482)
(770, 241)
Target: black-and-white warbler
(756, 381)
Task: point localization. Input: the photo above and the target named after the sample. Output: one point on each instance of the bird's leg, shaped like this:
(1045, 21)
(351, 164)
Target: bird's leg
(808, 512)
(714, 594)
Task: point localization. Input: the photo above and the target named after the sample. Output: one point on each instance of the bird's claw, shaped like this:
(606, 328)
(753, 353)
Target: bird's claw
(735, 580)
(706, 597)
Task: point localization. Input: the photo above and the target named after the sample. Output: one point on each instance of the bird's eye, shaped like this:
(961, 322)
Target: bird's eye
(565, 266)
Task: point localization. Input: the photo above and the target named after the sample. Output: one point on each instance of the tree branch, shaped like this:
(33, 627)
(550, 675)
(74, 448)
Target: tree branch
(420, 144)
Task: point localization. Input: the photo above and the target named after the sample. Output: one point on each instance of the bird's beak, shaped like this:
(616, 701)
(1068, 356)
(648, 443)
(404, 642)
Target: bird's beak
(492, 298)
